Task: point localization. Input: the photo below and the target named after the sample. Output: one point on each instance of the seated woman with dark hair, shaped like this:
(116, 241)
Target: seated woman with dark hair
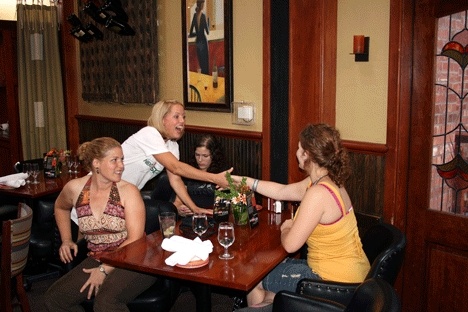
(208, 156)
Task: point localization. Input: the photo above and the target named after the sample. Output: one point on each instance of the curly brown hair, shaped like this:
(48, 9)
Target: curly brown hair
(323, 145)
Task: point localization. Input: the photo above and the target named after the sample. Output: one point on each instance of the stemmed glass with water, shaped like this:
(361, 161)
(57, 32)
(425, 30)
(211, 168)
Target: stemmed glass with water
(35, 172)
(76, 164)
(226, 238)
(27, 170)
(199, 223)
(70, 161)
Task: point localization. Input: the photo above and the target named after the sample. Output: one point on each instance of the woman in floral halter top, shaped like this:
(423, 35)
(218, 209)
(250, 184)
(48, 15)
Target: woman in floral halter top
(111, 214)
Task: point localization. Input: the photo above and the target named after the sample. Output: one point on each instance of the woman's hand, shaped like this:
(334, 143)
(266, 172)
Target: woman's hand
(95, 280)
(184, 210)
(220, 179)
(65, 251)
(286, 226)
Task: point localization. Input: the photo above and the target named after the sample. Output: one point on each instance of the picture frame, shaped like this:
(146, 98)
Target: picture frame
(207, 54)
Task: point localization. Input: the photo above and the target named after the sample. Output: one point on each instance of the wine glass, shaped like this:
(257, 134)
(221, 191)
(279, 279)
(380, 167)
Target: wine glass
(199, 223)
(27, 170)
(76, 163)
(226, 238)
(35, 172)
(70, 161)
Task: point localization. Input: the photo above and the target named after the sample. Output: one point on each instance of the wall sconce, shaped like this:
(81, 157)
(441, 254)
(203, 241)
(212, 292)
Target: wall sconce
(361, 48)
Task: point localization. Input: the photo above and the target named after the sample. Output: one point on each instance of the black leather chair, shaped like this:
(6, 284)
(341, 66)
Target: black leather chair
(43, 261)
(8, 212)
(384, 246)
(18, 166)
(373, 295)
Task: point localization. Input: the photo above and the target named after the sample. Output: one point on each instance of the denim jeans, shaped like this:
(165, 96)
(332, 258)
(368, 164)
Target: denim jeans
(287, 274)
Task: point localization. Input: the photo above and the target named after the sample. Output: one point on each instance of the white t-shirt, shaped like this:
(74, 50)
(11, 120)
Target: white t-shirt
(138, 150)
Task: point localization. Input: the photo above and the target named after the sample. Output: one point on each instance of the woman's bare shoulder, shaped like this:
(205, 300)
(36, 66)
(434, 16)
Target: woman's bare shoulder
(76, 184)
(128, 189)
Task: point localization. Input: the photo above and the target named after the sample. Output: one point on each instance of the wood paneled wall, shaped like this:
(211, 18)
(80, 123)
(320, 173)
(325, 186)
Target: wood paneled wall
(244, 152)
(243, 149)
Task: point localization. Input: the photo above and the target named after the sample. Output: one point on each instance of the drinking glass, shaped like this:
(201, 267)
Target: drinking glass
(27, 170)
(199, 223)
(76, 163)
(70, 161)
(226, 238)
(35, 172)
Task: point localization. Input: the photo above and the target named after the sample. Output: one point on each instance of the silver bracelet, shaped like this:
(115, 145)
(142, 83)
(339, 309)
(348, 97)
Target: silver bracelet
(254, 185)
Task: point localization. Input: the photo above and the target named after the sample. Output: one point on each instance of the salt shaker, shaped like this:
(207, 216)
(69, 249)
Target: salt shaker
(278, 206)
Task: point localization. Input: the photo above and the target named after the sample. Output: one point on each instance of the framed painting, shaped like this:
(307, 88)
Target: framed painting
(207, 54)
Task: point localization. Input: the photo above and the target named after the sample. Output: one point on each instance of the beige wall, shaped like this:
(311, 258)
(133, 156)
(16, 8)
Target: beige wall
(361, 96)
(247, 62)
(361, 112)
(7, 10)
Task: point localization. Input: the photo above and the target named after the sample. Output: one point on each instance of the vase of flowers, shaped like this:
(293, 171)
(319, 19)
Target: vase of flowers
(240, 197)
(53, 161)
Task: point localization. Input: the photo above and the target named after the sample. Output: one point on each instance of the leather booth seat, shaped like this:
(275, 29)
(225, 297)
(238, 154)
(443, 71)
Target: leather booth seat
(8, 212)
(43, 262)
(384, 246)
(373, 295)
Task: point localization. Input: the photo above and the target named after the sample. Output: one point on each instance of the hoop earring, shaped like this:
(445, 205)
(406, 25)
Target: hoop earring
(97, 170)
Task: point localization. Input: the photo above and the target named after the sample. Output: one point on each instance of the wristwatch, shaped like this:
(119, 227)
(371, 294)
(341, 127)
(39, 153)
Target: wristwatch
(101, 269)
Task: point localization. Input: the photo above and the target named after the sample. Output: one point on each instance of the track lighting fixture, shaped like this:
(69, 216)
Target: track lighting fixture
(95, 13)
(114, 8)
(119, 27)
(78, 31)
(111, 15)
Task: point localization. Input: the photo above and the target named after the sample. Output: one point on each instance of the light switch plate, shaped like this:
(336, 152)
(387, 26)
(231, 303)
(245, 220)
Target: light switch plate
(243, 113)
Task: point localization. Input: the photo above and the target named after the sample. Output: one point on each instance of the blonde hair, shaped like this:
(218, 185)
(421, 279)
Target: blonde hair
(95, 149)
(158, 113)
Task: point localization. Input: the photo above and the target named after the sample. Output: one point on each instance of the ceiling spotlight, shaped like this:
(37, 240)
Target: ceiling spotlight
(94, 31)
(100, 16)
(78, 31)
(114, 8)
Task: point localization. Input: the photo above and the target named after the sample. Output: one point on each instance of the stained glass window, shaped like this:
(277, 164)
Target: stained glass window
(449, 185)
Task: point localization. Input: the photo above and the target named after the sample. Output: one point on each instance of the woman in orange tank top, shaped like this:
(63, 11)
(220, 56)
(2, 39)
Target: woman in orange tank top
(325, 219)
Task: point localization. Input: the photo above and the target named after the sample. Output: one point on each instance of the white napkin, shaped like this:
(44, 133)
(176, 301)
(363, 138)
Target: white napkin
(186, 250)
(14, 180)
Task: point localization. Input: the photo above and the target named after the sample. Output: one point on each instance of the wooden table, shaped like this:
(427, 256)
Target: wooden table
(256, 252)
(46, 186)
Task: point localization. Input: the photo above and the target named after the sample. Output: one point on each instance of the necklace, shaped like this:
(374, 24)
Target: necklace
(318, 180)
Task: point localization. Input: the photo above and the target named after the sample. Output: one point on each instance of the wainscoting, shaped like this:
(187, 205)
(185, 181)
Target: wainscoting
(243, 149)
(244, 152)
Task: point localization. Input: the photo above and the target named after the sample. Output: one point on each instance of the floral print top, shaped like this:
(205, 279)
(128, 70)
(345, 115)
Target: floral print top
(107, 232)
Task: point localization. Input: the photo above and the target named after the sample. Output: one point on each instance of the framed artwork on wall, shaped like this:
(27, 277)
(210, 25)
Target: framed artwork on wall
(207, 54)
